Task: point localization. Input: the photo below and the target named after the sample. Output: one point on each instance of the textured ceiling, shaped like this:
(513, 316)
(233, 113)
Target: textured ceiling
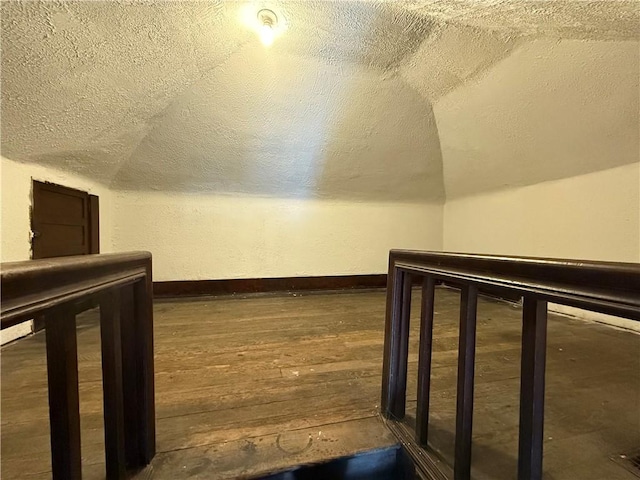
(569, 19)
(182, 96)
(547, 122)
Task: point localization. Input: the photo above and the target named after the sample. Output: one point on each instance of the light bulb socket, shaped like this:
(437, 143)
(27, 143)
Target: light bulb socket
(267, 17)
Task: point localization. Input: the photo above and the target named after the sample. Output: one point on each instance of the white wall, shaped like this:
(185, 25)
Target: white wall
(195, 237)
(17, 331)
(540, 154)
(594, 216)
(15, 205)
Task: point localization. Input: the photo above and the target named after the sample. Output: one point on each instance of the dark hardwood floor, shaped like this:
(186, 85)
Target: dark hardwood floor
(252, 385)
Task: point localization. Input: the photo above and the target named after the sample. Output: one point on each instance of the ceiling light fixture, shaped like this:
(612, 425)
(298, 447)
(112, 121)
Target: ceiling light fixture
(267, 25)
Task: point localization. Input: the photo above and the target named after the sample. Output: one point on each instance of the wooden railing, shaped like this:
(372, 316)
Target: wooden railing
(60, 288)
(611, 288)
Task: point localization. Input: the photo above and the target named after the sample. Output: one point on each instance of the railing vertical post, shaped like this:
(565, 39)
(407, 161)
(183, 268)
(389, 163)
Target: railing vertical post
(424, 359)
(143, 298)
(137, 370)
(534, 340)
(64, 407)
(466, 367)
(396, 343)
(394, 283)
(129, 378)
(114, 434)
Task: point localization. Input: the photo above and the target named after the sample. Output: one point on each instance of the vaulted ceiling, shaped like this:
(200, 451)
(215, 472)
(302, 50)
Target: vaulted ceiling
(392, 100)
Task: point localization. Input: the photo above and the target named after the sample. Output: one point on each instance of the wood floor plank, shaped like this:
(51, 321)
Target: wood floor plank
(242, 384)
(271, 452)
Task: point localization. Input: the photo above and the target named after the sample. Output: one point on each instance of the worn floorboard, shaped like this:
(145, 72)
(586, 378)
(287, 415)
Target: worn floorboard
(253, 385)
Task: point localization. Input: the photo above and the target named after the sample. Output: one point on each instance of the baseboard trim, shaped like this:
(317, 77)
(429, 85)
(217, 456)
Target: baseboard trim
(194, 288)
(626, 324)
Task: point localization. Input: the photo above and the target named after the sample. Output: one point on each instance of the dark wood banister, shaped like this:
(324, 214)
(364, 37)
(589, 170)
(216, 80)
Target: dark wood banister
(605, 287)
(60, 288)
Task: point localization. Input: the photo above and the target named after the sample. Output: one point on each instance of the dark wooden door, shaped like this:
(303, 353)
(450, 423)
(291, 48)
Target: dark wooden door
(64, 221)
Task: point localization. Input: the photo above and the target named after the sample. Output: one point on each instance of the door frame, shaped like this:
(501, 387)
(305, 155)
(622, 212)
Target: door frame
(93, 224)
(93, 213)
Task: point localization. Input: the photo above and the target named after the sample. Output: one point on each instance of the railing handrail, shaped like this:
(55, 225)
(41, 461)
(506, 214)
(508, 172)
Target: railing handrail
(57, 289)
(32, 286)
(605, 287)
